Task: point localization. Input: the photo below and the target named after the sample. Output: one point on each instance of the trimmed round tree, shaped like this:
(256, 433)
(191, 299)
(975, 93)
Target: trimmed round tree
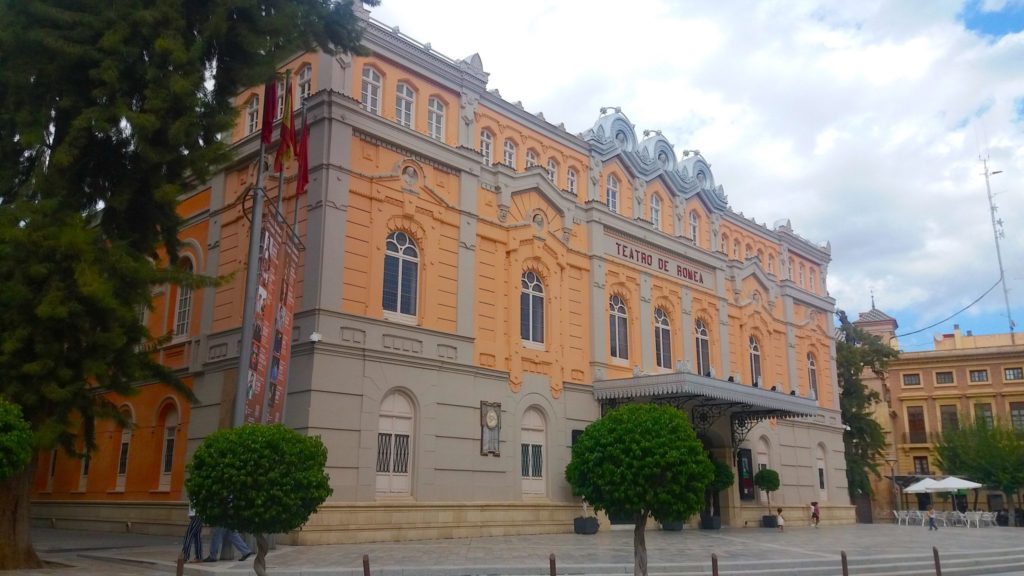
(258, 479)
(767, 480)
(641, 460)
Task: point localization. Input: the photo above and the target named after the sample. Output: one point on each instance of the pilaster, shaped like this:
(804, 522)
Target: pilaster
(647, 361)
(792, 376)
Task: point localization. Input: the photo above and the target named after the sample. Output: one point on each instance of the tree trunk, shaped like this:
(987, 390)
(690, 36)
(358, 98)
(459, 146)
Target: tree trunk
(260, 564)
(15, 536)
(640, 546)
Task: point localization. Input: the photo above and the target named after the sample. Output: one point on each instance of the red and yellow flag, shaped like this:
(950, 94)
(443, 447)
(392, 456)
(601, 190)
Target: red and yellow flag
(286, 149)
(302, 180)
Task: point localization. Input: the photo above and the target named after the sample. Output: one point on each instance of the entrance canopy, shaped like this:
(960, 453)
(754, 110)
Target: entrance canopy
(706, 399)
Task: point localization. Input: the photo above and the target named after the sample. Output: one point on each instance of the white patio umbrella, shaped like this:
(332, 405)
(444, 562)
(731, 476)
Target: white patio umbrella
(920, 486)
(952, 484)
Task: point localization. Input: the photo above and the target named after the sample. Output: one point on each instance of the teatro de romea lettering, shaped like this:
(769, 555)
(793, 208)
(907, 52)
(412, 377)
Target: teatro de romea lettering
(477, 285)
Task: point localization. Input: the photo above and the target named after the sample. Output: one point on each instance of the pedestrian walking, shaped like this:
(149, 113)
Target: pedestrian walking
(219, 534)
(193, 536)
(815, 514)
(781, 522)
(931, 518)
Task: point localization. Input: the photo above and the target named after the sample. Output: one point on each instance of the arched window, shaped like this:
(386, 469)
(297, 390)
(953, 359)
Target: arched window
(531, 158)
(531, 459)
(401, 274)
(252, 115)
(183, 309)
(122, 454)
(764, 460)
(168, 420)
(612, 196)
(662, 339)
(370, 95)
(531, 308)
(280, 99)
(725, 244)
(435, 118)
(394, 445)
(748, 251)
(510, 154)
(812, 377)
(487, 146)
(771, 264)
(801, 274)
(789, 270)
(305, 82)
(618, 324)
(812, 280)
(736, 249)
(694, 225)
(820, 463)
(755, 361)
(656, 211)
(570, 180)
(553, 171)
(703, 349)
(405, 104)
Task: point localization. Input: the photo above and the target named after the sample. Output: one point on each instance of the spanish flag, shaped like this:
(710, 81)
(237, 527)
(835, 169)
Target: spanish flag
(302, 180)
(286, 150)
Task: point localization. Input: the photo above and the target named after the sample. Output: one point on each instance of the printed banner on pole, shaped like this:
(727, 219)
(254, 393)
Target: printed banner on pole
(280, 353)
(262, 337)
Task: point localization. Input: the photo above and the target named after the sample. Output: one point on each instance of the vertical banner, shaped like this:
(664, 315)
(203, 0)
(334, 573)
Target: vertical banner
(280, 353)
(263, 324)
(745, 469)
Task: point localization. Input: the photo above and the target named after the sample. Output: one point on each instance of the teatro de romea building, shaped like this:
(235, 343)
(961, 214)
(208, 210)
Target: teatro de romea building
(477, 285)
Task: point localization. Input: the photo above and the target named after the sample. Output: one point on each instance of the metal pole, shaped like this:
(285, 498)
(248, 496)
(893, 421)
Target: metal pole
(249, 307)
(999, 255)
(366, 565)
(551, 564)
(846, 566)
(938, 566)
(714, 564)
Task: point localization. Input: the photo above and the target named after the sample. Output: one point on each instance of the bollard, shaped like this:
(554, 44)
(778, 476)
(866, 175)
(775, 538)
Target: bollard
(366, 565)
(938, 567)
(846, 566)
(551, 561)
(179, 567)
(714, 564)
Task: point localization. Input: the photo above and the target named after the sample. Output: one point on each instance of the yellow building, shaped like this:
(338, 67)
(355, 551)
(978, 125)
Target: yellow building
(477, 285)
(965, 377)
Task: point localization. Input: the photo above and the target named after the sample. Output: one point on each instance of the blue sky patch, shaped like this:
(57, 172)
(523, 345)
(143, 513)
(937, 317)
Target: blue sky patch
(1009, 20)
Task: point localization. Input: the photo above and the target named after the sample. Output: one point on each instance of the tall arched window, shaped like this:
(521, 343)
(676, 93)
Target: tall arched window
(656, 211)
(812, 377)
(510, 154)
(802, 274)
(305, 82)
(724, 247)
(125, 447)
(612, 193)
(618, 328)
(812, 280)
(553, 171)
(694, 225)
(394, 445)
(820, 463)
(280, 99)
(252, 115)
(531, 459)
(771, 264)
(435, 118)
(736, 249)
(703, 349)
(487, 146)
(531, 158)
(755, 361)
(168, 420)
(183, 309)
(789, 270)
(570, 180)
(531, 308)
(405, 105)
(401, 274)
(662, 339)
(370, 94)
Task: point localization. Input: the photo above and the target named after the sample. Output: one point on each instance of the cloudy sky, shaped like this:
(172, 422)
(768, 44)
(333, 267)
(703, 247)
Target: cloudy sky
(862, 122)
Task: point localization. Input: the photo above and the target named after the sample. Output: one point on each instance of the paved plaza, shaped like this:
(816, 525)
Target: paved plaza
(744, 550)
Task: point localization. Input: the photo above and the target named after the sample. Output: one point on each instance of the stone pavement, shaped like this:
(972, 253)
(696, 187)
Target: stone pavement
(608, 552)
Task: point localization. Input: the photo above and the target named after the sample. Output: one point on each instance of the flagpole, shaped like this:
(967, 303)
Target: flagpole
(249, 307)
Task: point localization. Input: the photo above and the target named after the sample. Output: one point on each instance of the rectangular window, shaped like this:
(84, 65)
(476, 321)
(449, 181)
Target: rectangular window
(1013, 374)
(979, 375)
(821, 478)
(122, 459)
(531, 460)
(1017, 416)
(169, 451)
(401, 465)
(921, 465)
(983, 415)
(911, 379)
(944, 378)
(915, 425)
(949, 419)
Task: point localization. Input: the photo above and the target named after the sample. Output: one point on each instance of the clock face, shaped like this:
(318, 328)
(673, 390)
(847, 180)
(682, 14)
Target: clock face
(492, 418)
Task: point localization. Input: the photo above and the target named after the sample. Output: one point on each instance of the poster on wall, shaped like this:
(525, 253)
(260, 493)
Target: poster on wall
(744, 469)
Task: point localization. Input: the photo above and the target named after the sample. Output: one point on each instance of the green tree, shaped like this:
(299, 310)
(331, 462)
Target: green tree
(767, 480)
(641, 460)
(864, 440)
(991, 455)
(108, 113)
(258, 479)
(723, 478)
(15, 440)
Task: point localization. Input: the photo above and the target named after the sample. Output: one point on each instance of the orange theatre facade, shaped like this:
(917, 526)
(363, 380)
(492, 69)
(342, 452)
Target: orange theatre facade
(477, 285)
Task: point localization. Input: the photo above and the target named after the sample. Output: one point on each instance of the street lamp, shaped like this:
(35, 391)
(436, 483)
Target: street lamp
(892, 478)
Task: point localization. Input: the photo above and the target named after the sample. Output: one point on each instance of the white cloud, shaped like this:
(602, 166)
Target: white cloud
(862, 122)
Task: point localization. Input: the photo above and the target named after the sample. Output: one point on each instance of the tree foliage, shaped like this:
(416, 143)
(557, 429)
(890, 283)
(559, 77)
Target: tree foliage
(15, 440)
(641, 460)
(864, 439)
(767, 480)
(991, 455)
(258, 479)
(108, 113)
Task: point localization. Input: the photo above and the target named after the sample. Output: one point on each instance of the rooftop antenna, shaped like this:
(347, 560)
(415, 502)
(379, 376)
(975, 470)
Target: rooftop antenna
(997, 233)
(872, 298)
